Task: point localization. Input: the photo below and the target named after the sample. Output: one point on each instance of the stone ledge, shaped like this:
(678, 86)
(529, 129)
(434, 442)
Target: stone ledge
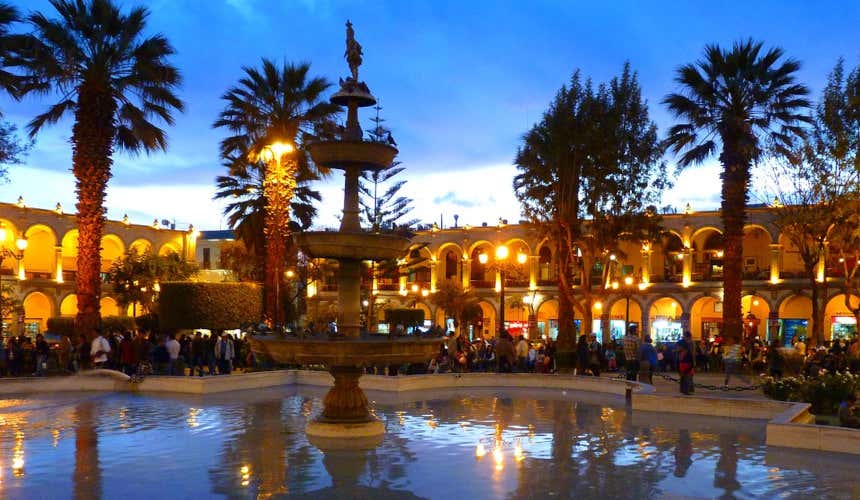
(760, 409)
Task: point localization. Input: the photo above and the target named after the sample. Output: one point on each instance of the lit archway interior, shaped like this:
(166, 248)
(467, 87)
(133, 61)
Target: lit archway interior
(664, 320)
(488, 321)
(547, 318)
(9, 242)
(795, 317)
(168, 248)
(761, 310)
(706, 318)
(112, 249)
(108, 307)
(70, 250)
(40, 254)
(839, 321)
(37, 309)
(141, 246)
(69, 305)
(617, 316)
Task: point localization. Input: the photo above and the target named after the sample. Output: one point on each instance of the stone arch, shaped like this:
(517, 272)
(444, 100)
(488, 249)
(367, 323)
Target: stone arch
(481, 275)
(790, 265)
(756, 252)
(706, 316)
(665, 315)
(760, 307)
(11, 234)
(40, 254)
(795, 310)
(616, 307)
(109, 307)
(480, 243)
(697, 234)
(518, 243)
(667, 262)
(141, 245)
(489, 317)
(70, 250)
(839, 320)
(450, 262)
(112, 248)
(762, 228)
(168, 248)
(69, 305)
(447, 246)
(38, 307)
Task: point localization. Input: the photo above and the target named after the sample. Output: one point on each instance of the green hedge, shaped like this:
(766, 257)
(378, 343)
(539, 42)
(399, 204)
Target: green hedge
(66, 326)
(215, 306)
(405, 317)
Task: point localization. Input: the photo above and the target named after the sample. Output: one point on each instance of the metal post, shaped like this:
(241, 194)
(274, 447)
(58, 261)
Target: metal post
(627, 314)
(502, 304)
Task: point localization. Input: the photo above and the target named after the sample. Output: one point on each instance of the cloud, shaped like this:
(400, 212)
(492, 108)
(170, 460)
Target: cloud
(451, 197)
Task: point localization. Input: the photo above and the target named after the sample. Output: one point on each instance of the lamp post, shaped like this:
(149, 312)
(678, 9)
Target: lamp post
(500, 262)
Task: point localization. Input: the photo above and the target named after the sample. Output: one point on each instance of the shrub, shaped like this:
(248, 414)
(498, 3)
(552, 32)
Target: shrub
(823, 393)
(215, 306)
(147, 322)
(405, 317)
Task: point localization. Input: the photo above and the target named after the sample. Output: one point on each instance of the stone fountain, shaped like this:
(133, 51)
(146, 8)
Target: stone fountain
(346, 412)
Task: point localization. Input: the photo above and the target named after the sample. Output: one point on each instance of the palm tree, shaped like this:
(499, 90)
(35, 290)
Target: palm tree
(745, 101)
(269, 105)
(8, 16)
(116, 81)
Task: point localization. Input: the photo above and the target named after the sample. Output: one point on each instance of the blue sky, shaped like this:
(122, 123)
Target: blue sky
(460, 82)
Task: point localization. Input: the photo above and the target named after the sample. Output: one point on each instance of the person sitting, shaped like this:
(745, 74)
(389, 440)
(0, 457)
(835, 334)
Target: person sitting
(848, 412)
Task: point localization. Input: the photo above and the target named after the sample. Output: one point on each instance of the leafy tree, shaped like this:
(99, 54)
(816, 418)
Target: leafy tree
(11, 148)
(458, 303)
(117, 82)
(243, 263)
(737, 102)
(136, 277)
(586, 174)
(270, 104)
(383, 211)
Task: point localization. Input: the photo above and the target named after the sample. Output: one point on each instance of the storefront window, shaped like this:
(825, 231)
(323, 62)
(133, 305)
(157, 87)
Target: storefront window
(843, 327)
(666, 330)
(792, 328)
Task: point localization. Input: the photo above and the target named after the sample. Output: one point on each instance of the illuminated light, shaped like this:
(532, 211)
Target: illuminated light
(245, 483)
(290, 273)
(245, 470)
(686, 282)
(628, 280)
(612, 256)
(499, 286)
(21, 243)
(55, 434)
(522, 258)
(519, 456)
(755, 302)
(643, 286)
(365, 303)
(403, 292)
(22, 274)
(482, 258)
(615, 285)
(679, 256)
(502, 252)
(480, 451)
(841, 259)
(156, 287)
(18, 464)
(499, 458)
(527, 299)
(312, 289)
(3, 232)
(414, 288)
(425, 293)
(275, 151)
(598, 305)
(720, 254)
(774, 280)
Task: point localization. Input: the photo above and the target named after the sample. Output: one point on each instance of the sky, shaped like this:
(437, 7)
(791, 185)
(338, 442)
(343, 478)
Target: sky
(459, 83)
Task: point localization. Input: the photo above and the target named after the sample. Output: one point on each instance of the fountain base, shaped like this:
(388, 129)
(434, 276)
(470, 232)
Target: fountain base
(345, 410)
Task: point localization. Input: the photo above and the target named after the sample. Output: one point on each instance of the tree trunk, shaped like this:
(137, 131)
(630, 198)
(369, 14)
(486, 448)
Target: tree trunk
(817, 333)
(92, 146)
(566, 342)
(278, 187)
(735, 176)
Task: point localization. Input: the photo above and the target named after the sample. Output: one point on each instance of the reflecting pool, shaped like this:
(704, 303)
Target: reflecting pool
(456, 444)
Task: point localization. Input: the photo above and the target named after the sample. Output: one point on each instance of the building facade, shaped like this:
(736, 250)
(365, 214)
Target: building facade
(666, 287)
(39, 251)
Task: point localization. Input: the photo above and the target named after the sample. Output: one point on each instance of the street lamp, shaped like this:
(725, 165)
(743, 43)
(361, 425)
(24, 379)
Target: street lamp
(21, 245)
(500, 262)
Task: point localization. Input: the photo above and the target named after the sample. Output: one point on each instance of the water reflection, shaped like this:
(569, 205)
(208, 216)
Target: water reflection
(488, 444)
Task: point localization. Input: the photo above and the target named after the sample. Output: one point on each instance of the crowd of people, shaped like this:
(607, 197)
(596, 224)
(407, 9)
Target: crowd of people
(504, 354)
(132, 352)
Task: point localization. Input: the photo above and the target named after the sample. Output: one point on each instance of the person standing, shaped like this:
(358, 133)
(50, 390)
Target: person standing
(630, 343)
(128, 354)
(198, 347)
(173, 349)
(685, 367)
(732, 359)
(693, 350)
(224, 353)
(522, 354)
(99, 349)
(647, 361)
(775, 360)
(42, 351)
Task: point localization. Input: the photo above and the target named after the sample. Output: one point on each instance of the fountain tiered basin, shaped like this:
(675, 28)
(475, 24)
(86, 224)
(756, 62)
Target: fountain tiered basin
(342, 155)
(356, 246)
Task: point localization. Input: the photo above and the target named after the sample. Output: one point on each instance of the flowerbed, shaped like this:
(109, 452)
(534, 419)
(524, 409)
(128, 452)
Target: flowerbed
(823, 393)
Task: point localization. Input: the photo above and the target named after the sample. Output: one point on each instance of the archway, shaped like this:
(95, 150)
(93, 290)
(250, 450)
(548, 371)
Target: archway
(669, 259)
(140, 245)
(706, 318)
(756, 253)
(756, 312)
(795, 318)
(664, 320)
(708, 251)
(480, 275)
(485, 326)
(546, 271)
(790, 265)
(839, 321)
(168, 248)
(112, 249)
(10, 233)
(40, 255)
(69, 305)
(38, 307)
(618, 314)
(70, 250)
(547, 319)
(450, 260)
(108, 307)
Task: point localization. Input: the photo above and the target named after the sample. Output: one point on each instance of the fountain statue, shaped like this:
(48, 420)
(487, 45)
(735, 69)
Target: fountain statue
(345, 412)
